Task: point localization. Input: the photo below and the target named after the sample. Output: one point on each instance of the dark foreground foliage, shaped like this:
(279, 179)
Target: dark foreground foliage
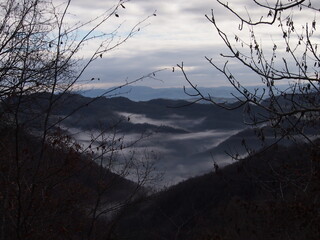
(54, 198)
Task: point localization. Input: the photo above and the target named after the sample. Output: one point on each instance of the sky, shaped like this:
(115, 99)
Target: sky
(178, 33)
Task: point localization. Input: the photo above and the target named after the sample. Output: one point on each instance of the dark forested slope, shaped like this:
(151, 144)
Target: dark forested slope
(271, 195)
(88, 113)
(51, 191)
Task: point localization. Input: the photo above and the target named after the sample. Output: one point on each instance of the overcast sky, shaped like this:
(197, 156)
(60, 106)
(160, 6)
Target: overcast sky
(179, 33)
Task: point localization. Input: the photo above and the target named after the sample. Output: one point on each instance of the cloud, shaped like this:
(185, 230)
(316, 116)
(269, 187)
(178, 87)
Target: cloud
(179, 33)
(116, 70)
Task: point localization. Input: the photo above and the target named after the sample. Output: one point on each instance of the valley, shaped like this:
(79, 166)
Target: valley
(185, 141)
(161, 167)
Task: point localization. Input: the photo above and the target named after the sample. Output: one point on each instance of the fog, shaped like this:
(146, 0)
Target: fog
(175, 121)
(175, 156)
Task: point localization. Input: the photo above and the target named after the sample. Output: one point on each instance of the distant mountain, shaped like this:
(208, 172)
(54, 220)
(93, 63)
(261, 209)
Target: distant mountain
(174, 131)
(162, 114)
(142, 93)
(188, 138)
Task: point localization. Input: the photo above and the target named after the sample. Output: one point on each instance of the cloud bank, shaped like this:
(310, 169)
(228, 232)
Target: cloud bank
(179, 33)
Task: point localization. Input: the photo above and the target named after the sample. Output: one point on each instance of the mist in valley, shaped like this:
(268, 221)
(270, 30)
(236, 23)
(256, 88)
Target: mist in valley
(178, 156)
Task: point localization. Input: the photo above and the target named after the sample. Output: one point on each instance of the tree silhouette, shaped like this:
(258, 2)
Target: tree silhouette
(51, 187)
(286, 62)
(280, 49)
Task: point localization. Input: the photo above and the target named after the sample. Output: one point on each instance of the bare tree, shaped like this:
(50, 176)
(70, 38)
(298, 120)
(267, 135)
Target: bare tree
(286, 62)
(43, 189)
(280, 48)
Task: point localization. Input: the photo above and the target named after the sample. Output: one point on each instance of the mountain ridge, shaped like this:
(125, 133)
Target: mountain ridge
(143, 93)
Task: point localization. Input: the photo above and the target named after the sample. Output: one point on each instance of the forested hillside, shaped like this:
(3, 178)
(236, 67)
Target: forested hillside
(63, 195)
(94, 113)
(271, 195)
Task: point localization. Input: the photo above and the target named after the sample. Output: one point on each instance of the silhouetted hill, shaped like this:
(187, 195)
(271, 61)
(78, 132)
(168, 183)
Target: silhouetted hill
(58, 191)
(244, 142)
(89, 113)
(143, 93)
(260, 197)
